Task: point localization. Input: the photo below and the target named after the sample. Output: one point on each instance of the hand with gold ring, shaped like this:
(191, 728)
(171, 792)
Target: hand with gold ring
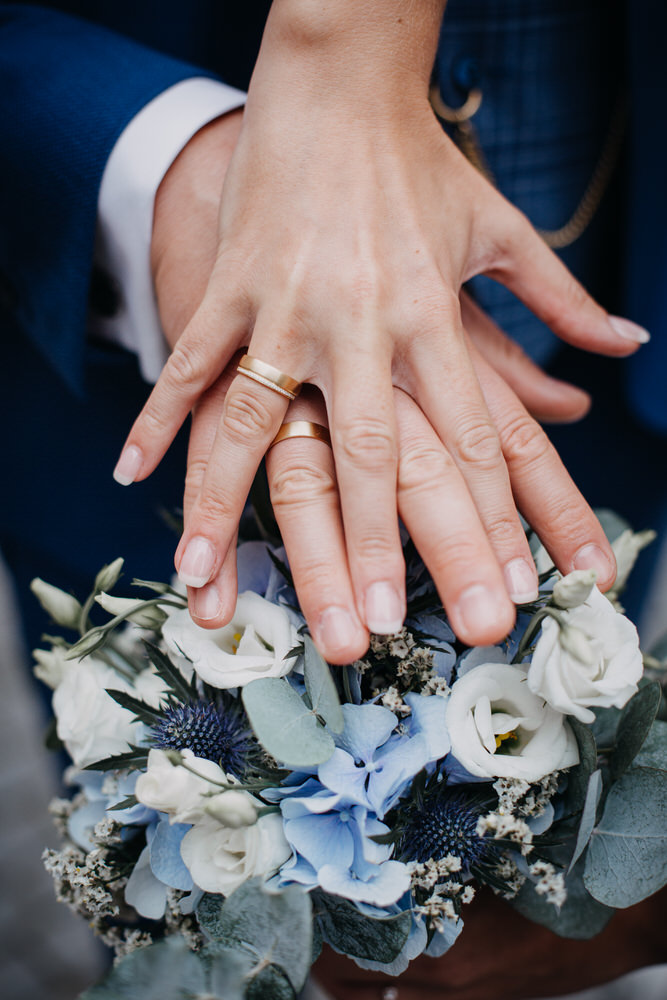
(354, 301)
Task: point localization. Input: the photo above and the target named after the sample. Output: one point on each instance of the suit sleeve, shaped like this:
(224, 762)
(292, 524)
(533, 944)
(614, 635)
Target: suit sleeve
(68, 88)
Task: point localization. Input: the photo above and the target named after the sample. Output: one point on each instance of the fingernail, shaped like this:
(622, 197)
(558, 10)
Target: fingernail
(521, 581)
(593, 557)
(629, 331)
(336, 630)
(384, 609)
(206, 603)
(480, 608)
(128, 465)
(197, 562)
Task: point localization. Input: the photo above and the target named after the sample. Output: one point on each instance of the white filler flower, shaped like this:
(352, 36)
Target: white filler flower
(254, 644)
(594, 660)
(499, 728)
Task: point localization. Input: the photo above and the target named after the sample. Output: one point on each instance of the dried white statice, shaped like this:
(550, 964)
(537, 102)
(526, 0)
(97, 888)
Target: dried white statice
(506, 826)
(550, 882)
(82, 880)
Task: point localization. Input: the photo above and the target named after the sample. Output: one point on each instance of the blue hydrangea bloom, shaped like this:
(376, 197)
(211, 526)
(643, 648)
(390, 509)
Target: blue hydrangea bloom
(372, 765)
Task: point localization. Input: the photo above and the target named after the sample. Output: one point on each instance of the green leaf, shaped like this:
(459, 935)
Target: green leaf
(588, 816)
(281, 567)
(169, 672)
(270, 984)
(654, 751)
(605, 725)
(321, 688)
(229, 970)
(127, 803)
(626, 859)
(143, 712)
(579, 776)
(133, 760)
(167, 970)
(580, 917)
(51, 739)
(284, 725)
(273, 928)
(633, 728)
(350, 932)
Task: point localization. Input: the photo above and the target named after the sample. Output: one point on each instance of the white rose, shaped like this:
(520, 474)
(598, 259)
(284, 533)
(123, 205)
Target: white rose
(499, 728)
(89, 722)
(220, 858)
(602, 668)
(253, 645)
(175, 790)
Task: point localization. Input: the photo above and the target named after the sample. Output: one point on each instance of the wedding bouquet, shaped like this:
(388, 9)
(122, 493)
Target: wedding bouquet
(237, 801)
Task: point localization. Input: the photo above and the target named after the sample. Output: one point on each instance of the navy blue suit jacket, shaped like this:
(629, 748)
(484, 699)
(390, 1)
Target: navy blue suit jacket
(72, 75)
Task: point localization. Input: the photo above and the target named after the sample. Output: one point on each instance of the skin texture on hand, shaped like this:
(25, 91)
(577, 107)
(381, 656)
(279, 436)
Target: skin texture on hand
(503, 956)
(452, 536)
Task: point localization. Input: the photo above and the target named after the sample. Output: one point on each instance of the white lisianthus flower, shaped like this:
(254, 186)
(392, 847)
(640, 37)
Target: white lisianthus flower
(232, 808)
(572, 590)
(602, 667)
(149, 687)
(175, 790)
(499, 728)
(89, 722)
(63, 608)
(220, 858)
(626, 548)
(51, 665)
(135, 609)
(253, 645)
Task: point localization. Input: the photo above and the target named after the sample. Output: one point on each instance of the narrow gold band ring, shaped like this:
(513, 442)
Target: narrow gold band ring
(269, 376)
(302, 429)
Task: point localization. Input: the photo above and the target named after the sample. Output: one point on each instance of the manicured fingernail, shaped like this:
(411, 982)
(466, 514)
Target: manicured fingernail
(384, 609)
(479, 608)
(197, 562)
(336, 630)
(128, 465)
(629, 331)
(521, 581)
(206, 603)
(593, 557)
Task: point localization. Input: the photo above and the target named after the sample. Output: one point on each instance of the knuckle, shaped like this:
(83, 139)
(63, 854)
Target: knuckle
(368, 443)
(194, 476)
(524, 441)
(214, 508)
(423, 467)
(452, 555)
(300, 485)
(182, 368)
(504, 532)
(154, 420)
(244, 414)
(375, 547)
(477, 444)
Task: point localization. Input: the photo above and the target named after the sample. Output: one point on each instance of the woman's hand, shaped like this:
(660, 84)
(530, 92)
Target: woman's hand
(360, 320)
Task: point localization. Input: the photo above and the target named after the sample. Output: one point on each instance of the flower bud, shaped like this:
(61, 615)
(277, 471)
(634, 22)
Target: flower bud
(134, 609)
(233, 809)
(626, 548)
(63, 608)
(576, 643)
(107, 578)
(51, 665)
(575, 588)
(86, 644)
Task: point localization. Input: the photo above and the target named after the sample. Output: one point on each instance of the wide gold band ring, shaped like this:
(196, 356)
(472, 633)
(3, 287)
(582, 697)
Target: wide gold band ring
(269, 376)
(302, 429)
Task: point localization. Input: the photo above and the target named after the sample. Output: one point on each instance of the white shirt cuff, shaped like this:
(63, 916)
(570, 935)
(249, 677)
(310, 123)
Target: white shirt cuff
(138, 162)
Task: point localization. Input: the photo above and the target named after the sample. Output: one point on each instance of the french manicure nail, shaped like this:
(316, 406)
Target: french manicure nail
(629, 331)
(521, 581)
(197, 562)
(480, 608)
(384, 609)
(336, 629)
(128, 465)
(591, 556)
(206, 603)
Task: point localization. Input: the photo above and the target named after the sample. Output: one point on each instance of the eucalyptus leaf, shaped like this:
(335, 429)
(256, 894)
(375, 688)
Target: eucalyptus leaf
(321, 688)
(284, 724)
(167, 970)
(605, 726)
(633, 727)
(353, 933)
(579, 776)
(228, 971)
(580, 917)
(654, 751)
(273, 928)
(626, 859)
(270, 984)
(588, 816)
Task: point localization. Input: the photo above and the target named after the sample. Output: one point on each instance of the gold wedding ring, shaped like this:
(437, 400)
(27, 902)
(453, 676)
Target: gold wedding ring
(302, 429)
(269, 376)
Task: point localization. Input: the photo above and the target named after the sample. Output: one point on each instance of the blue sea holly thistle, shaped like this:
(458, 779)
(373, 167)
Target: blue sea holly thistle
(215, 731)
